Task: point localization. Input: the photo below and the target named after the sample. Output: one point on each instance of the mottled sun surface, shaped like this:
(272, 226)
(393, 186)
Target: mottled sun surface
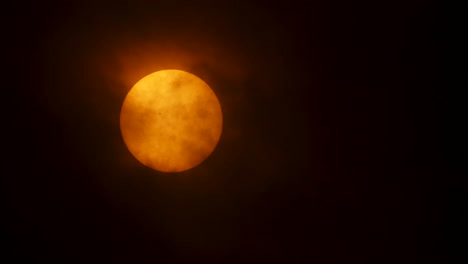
(171, 120)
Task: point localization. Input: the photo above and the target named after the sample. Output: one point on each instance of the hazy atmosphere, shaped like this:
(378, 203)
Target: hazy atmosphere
(328, 146)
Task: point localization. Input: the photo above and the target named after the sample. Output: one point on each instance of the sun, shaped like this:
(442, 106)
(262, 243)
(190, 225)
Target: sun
(171, 120)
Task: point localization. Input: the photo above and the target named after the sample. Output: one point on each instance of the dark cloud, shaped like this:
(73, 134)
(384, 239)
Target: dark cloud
(326, 151)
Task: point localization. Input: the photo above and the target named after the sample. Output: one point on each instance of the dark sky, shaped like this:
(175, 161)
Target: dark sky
(328, 152)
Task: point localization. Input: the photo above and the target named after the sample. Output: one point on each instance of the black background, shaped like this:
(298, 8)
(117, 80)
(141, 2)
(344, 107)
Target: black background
(328, 152)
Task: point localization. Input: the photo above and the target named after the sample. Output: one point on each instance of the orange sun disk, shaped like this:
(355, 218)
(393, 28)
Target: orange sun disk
(171, 120)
